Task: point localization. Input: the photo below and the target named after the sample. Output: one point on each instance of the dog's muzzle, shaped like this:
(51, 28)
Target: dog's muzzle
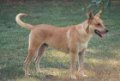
(100, 33)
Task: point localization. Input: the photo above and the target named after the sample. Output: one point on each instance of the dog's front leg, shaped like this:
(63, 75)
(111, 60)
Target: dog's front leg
(73, 64)
(81, 55)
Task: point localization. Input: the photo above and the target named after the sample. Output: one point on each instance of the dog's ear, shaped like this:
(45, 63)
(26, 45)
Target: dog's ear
(90, 15)
(99, 13)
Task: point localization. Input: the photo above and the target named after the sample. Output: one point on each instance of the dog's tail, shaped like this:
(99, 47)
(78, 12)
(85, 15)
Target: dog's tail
(21, 23)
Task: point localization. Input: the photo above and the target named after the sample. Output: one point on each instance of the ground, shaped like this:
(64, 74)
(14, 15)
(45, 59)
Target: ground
(102, 60)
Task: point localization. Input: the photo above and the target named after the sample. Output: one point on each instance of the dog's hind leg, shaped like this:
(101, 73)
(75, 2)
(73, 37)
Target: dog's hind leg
(28, 59)
(33, 46)
(40, 52)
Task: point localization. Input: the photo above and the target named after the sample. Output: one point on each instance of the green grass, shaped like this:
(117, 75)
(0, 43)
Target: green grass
(102, 61)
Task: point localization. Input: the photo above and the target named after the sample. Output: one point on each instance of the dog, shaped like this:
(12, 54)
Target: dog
(71, 39)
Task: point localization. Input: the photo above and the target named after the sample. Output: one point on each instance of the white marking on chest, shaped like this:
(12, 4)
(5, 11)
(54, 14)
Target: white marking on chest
(81, 46)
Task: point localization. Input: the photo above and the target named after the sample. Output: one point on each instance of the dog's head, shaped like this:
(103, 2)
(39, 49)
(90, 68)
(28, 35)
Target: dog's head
(96, 25)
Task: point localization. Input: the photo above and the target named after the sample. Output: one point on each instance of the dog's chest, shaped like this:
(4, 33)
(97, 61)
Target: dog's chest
(82, 45)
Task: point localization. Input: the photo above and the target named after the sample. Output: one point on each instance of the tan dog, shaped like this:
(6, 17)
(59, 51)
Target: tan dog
(72, 39)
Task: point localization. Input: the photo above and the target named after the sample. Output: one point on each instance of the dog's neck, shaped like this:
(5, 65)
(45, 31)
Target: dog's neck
(84, 26)
(83, 29)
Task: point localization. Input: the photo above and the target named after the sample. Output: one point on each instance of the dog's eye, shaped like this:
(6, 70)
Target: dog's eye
(98, 24)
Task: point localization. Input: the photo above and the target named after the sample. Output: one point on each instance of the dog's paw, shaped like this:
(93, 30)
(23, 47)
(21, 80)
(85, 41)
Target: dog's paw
(27, 74)
(72, 76)
(38, 70)
(82, 74)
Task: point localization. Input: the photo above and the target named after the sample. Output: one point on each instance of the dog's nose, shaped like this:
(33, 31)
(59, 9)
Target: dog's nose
(106, 30)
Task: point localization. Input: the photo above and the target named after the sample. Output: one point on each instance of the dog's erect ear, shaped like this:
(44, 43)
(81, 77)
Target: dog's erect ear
(90, 15)
(99, 13)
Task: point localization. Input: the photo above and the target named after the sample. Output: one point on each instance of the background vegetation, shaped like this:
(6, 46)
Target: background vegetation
(102, 61)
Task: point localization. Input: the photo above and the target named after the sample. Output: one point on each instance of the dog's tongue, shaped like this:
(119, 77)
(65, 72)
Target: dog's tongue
(102, 35)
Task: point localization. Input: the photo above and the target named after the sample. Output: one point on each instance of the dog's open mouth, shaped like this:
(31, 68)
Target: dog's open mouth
(99, 33)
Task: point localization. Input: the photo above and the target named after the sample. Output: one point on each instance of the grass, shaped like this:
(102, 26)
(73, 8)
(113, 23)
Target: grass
(102, 61)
